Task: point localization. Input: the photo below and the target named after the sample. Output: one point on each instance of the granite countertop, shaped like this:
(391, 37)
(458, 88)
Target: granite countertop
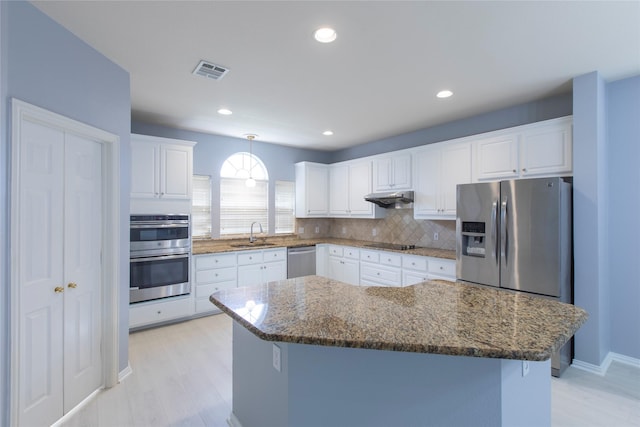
(211, 246)
(432, 317)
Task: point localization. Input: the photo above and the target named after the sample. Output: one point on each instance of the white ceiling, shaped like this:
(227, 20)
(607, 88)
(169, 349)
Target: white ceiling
(378, 79)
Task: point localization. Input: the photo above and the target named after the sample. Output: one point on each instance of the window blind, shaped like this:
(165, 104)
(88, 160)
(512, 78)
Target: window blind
(201, 207)
(285, 206)
(241, 205)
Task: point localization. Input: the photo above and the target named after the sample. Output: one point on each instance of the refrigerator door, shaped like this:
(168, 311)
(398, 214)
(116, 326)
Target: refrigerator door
(534, 233)
(477, 235)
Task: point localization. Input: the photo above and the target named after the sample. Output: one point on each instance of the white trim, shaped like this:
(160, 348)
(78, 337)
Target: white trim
(125, 373)
(603, 367)
(233, 420)
(22, 111)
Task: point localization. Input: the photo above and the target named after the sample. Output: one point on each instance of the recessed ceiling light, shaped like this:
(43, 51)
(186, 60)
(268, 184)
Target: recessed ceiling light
(225, 112)
(444, 94)
(325, 35)
(327, 133)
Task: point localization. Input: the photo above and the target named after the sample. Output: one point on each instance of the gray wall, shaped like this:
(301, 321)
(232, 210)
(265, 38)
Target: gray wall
(623, 119)
(212, 150)
(531, 112)
(46, 65)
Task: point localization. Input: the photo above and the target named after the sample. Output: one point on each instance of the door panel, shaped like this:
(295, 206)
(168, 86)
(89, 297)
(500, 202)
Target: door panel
(40, 271)
(83, 269)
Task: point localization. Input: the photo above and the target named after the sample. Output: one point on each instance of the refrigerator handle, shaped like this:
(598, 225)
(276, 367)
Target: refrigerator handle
(503, 230)
(494, 230)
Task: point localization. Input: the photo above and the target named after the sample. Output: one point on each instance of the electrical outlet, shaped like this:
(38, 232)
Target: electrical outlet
(436, 236)
(374, 232)
(301, 230)
(525, 368)
(277, 361)
(344, 230)
(317, 229)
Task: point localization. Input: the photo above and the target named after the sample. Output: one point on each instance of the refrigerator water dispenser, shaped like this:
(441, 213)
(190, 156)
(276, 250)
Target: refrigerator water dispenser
(473, 239)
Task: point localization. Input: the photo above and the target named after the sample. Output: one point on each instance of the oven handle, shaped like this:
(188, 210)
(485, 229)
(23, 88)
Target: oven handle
(173, 225)
(158, 258)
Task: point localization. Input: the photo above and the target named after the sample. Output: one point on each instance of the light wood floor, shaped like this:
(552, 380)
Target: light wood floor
(182, 377)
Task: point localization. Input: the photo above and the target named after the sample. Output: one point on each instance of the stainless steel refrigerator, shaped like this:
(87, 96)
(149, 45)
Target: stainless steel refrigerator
(517, 235)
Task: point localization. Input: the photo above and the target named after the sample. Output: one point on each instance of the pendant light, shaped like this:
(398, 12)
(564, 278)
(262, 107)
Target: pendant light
(250, 182)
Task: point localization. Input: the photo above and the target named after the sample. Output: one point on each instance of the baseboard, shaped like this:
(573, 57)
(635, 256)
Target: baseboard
(602, 368)
(125, 373)
(76, 409)
(233, 421)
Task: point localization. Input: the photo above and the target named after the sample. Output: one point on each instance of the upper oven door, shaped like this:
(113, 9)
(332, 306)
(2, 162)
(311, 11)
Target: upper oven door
(159, 236)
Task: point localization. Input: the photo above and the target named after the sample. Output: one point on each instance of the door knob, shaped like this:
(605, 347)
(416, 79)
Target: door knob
(58, 289)
(72, 285)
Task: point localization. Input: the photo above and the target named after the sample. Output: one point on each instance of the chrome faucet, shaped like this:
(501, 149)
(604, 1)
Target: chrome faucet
(251, 238)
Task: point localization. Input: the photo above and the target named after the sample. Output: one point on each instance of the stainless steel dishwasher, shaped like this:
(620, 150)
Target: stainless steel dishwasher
(301, 261)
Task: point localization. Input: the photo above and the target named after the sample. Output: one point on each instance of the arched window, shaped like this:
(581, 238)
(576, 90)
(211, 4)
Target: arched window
(240, 204)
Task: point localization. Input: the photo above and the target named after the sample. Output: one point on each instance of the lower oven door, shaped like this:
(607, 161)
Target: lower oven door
(158, 277)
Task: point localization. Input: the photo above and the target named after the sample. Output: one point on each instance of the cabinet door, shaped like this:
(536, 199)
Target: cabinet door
(382, 174)
(496, 158)
(412, 277)
(175, 172)
(546, 150)
(250, 275)
(339, 190)
(145, 179)
(335, 268)
(455, 169)
(317, 190)
(274, 271)
(427, 183)
(402, 172)
(360, 186)
(350, 271)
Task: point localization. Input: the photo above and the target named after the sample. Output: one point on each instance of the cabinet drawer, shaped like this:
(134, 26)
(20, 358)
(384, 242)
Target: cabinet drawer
(203, 305)
(369, 256)
(381, 275)
(442, 267)
(204, 262)
(156, 312)
(351, 253)
(274, 255)
(388, 258)
(250, 257)
(215, 275)
(417, 263)
(335, 250)
(203, 291)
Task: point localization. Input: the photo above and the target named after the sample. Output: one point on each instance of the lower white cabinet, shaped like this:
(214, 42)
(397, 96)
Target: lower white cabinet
(344, 264)
(258, 267)
(414, 269)
(152, 312)
(213, 273)
(444, 269)
(380, 268)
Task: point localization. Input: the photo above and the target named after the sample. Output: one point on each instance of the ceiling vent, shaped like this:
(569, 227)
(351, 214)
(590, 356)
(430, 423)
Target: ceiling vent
(210, 70)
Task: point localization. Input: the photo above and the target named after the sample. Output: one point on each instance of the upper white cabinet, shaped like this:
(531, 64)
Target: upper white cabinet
(392, 172)
(348, 184)
(312, 190)
(539, 149)
(161, 170)
(438, 169)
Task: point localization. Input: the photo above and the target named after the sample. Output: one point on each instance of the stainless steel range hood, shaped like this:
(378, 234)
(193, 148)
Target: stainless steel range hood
(392, 199)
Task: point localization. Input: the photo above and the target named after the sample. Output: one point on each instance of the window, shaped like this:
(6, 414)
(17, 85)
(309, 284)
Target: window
(241, 205)
(285, 206)
(201, 207)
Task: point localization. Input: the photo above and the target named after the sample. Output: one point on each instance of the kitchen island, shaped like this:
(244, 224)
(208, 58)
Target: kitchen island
(436, 353)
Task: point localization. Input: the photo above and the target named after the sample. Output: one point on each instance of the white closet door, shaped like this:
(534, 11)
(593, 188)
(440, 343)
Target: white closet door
(40, 241)
(82, 269)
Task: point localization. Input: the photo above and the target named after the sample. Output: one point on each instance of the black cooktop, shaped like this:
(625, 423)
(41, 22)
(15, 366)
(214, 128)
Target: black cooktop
(392, 246)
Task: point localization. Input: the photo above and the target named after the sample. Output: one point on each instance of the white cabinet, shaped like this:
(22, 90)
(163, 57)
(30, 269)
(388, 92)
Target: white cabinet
(212, 273)
(438, 169)
(380, 268)
(535, 150)
(259, 267)
(444, 269)
(159, 311)
(392, 172)
(322, 260)
(312, 190)
(161, 168)
(349, 182)
(344, 265)
(414, 269)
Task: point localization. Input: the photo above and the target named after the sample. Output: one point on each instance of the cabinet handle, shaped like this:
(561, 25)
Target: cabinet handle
(524, 169)
(441, 268)
(216, 274)
(58, 289)
(216, 261)
(514, 171)
(72, 285)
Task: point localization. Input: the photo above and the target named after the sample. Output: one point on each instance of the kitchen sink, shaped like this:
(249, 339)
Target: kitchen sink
(250, 245)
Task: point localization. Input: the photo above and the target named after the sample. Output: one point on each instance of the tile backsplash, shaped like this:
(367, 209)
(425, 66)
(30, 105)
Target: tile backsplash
(398, 226)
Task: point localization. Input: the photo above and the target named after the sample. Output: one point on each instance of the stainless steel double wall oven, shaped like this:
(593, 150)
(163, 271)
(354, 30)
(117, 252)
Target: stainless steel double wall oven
(160, 256)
